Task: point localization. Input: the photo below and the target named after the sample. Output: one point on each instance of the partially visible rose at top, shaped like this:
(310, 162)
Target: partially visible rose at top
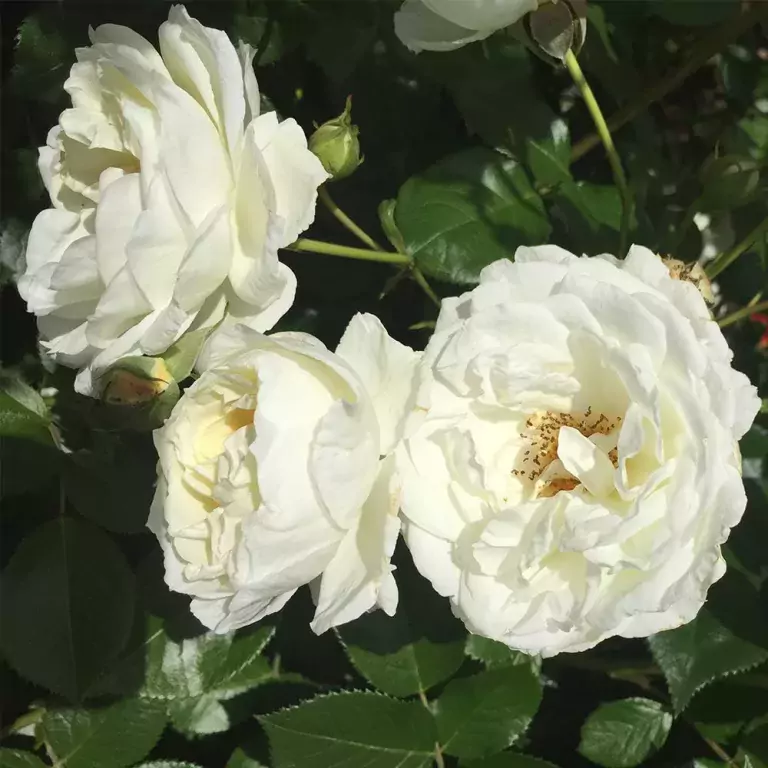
(171, 195)
(444, 25)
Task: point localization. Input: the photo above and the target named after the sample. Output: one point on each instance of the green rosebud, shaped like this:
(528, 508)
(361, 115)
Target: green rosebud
(336, 145)
(140, 392)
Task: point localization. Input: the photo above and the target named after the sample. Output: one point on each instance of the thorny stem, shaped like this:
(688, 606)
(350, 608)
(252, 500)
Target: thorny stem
(725, 260)
(572, 65)
(698, 56)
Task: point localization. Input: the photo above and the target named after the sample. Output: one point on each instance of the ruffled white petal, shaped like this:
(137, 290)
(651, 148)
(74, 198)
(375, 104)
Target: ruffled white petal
(387, 370)
(359, 577)
(184, 190)
(569, 472)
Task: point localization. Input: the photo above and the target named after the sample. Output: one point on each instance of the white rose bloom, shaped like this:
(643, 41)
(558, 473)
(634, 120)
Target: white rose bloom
(444, 25)
(275, 471)
(573, 469)
(171, 195)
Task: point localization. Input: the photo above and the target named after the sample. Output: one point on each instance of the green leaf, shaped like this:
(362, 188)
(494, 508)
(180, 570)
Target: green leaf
(412, 651)
(755, 745)
(507, 760)
(169, 764)
(728, 182)
(15, 758)
(621, 734)
(550, 158)
(113, 487)
(489, 83)
(587, 215)
(469, 210)
(397, 657)
(352, 729)
(477, 716)
(67, 606)
(22, 411)
(112, 737)
(387, 221)
(194, 676)
(41, 60)
(492, 653)
(239, 759)
(205, 671)
(721, 709)
(729, 635)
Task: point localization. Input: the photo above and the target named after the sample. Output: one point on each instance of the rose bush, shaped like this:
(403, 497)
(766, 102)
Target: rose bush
(444, 25)
(271, 475)
(171, 194)
(562, 459)
(571, 470)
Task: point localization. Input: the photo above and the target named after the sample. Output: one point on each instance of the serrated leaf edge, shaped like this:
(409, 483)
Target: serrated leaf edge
(334, 694)
(678, 710)
(421, 690)
(41, 726)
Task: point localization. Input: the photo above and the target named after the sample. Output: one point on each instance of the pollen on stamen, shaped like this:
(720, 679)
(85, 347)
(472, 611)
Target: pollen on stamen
(541, 436)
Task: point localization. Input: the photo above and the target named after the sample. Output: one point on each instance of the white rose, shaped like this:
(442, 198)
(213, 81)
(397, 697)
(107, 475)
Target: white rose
(444, 25)
(171, 195)
(573, 468)
(274, 472)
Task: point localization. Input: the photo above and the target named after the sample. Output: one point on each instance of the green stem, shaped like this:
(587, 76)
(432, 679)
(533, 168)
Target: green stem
(698, 56)
(726, 259)
(742, 313)
(304, 244)
(572, 65)
(418, 276)
(342, 217)
(364, 237)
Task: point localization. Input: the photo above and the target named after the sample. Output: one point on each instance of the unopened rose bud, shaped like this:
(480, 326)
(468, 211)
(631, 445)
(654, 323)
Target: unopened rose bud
(336, 145)
(136, 380)
(691, 273)
(140, 391)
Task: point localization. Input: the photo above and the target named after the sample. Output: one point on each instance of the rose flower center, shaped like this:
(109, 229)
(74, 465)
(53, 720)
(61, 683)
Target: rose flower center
(538, 461)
